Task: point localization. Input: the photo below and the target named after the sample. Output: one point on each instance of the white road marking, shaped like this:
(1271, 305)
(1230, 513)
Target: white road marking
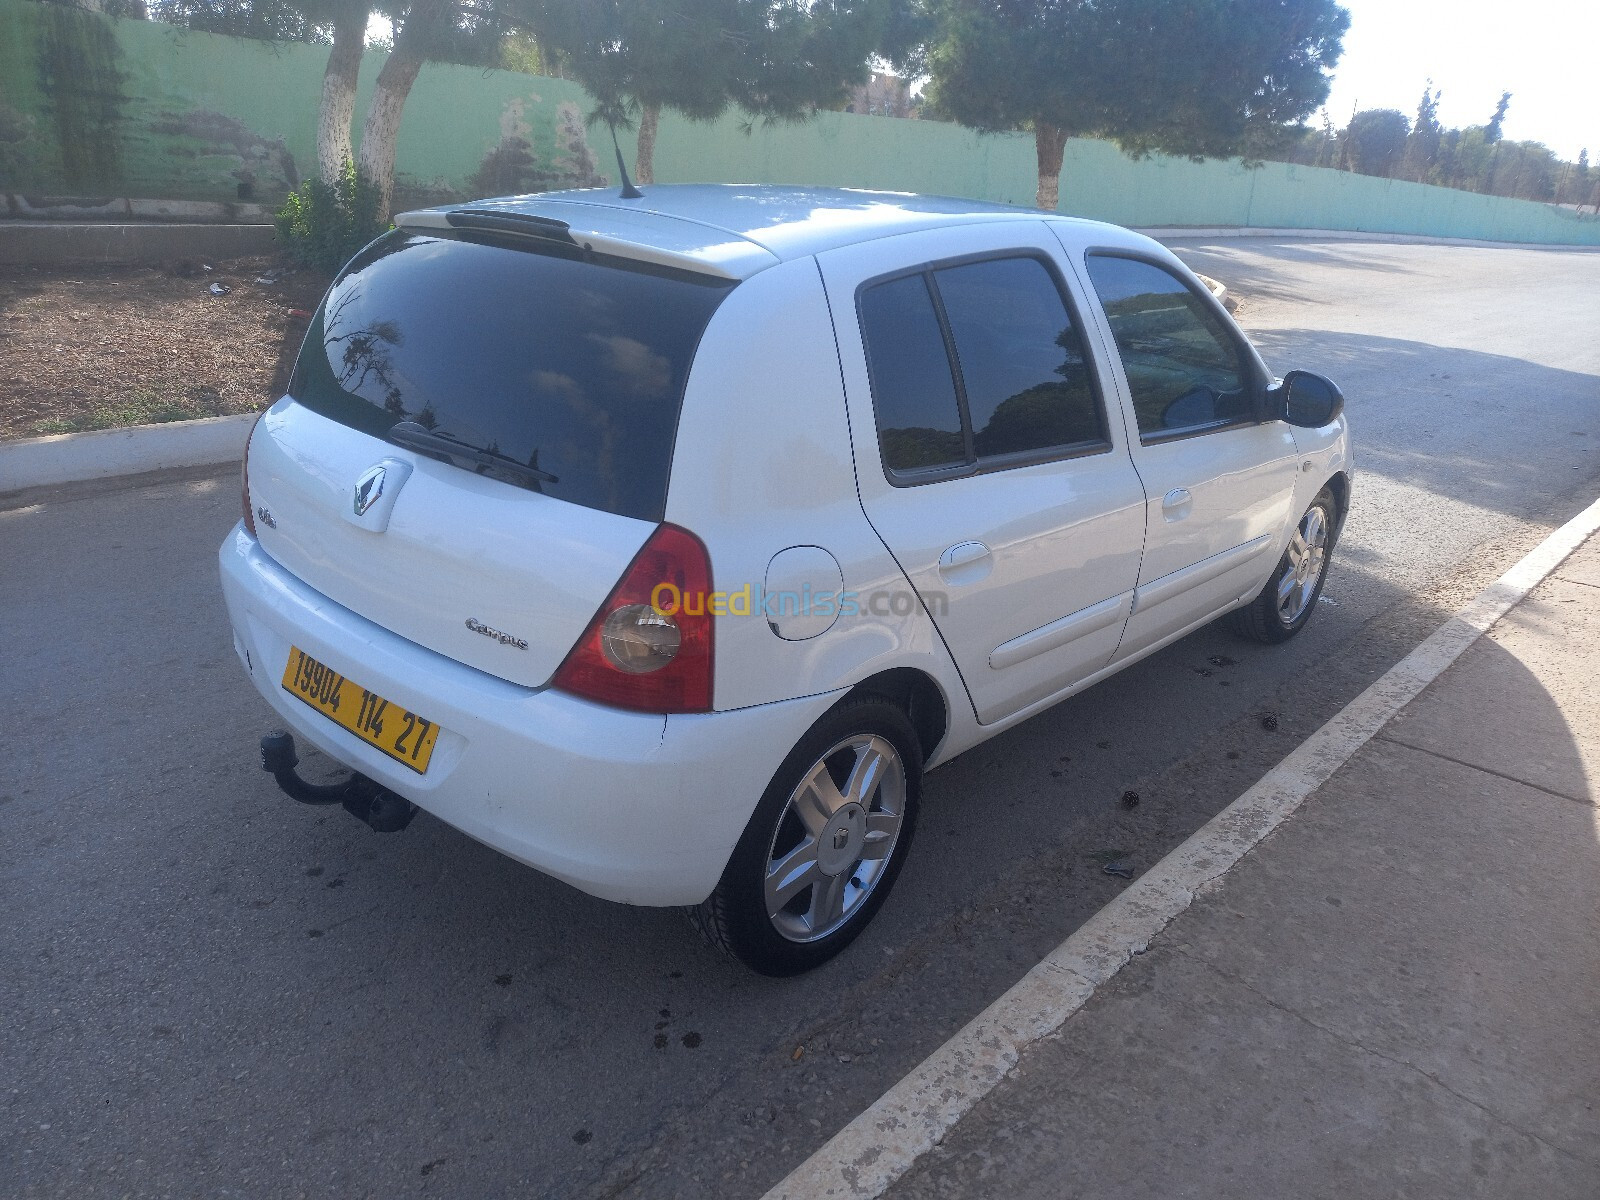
(865, 1157)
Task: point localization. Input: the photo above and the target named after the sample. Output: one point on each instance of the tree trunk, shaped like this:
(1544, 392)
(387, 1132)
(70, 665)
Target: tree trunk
(338, 108)
(1050, 143)
(644, 164)
(375, 160)
(382, 125)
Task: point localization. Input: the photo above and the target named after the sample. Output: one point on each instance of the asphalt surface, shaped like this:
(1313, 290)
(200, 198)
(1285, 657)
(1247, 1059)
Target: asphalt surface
(209, 989)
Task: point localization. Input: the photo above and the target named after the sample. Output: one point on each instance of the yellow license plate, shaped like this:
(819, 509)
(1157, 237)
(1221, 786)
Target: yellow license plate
(403, 736)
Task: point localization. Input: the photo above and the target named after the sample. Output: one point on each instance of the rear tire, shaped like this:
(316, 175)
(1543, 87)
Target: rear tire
(825, 844)
(1284, 606)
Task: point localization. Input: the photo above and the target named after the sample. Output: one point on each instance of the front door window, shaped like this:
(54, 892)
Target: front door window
(1185, 373)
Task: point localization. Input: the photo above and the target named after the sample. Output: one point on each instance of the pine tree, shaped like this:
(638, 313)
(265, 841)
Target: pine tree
(1492, 132)
(1205, 78)
(1422, 147)
(1375, 141)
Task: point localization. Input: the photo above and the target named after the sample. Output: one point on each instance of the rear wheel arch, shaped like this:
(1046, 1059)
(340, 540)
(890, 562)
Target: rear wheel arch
(794, 894)
(918, 696)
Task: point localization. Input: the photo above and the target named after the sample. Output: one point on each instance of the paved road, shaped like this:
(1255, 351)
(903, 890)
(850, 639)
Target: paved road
(209, 989)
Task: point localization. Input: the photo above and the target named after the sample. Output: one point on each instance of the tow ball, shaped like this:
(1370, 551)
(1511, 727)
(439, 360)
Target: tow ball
(363, 799)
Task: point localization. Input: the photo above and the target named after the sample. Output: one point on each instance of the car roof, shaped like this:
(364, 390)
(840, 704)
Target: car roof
(730, 230)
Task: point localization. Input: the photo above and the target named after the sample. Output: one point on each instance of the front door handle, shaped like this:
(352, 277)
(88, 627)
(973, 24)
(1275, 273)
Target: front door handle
(965, 562)
(1177, 504)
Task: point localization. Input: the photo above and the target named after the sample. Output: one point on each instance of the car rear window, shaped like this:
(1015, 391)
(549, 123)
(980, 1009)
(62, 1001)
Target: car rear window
(571, 363)
(1021, 360)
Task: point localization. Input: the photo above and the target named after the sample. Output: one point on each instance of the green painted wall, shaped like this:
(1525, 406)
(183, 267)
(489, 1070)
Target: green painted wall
(193, 116)
(92, 106)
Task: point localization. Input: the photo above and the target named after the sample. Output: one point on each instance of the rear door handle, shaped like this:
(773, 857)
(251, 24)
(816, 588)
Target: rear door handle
(963, 553)
(965, 562)
(1177, 504)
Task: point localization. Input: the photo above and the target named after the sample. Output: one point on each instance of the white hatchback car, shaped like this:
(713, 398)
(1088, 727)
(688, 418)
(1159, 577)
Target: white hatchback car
(664, 543)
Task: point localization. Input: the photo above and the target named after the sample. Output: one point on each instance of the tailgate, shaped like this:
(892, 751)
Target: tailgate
(540, 385)
(463, 557)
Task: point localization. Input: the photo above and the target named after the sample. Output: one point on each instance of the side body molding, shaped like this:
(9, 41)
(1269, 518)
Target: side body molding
(1148, 595)
(1058, 633)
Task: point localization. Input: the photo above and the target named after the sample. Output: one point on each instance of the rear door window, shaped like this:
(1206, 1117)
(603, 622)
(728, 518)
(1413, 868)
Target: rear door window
(976, 366)
(913, 391)
(1021, 361)
(569, 363)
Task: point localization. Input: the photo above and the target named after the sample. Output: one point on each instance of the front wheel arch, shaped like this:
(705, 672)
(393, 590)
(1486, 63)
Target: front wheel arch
(1339, 485)
(1262, 619)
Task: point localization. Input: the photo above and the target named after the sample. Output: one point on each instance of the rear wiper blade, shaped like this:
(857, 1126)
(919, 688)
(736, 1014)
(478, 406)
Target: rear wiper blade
(416, 437)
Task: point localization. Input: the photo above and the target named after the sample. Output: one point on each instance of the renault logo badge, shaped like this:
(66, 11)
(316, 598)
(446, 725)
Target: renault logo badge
(368, 488)
(377, 488)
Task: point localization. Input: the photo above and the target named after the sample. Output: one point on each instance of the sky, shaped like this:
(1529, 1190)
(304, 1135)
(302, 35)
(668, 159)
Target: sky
(1545, 52)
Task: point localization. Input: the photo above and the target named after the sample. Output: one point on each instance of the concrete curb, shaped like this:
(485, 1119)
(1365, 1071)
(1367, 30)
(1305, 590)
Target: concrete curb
(1219, 290)
(866, 1157)
(78, 457)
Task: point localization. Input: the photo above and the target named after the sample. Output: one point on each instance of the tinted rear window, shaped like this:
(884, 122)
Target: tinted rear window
(572, 364)
(1003, 375)
(1022, 363)
(919, 418)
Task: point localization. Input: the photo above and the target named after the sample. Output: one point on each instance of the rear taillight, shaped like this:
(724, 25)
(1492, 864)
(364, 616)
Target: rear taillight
(244, 481)
(649, 646)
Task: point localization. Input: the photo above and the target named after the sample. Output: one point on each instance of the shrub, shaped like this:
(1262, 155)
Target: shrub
(323, 225)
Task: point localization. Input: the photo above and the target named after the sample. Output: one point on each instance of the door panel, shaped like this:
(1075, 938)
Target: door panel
(1063, 538)
(1237, 483)
(1220, 483)
(1027, 567)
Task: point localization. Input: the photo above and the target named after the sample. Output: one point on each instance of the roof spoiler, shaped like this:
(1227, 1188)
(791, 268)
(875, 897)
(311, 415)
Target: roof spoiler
(643, 237)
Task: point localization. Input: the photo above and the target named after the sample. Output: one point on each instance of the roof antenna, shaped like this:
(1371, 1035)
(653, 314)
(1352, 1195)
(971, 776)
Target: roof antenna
(629, 192)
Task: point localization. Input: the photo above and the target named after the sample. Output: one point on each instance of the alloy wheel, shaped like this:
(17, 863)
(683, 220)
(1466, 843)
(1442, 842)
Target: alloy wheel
(1307, 556)
(835, 837)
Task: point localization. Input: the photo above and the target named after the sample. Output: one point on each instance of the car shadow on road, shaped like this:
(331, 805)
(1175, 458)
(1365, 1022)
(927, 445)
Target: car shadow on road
(1480, 447)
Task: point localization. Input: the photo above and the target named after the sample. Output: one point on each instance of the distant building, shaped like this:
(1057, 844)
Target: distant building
(882, 96)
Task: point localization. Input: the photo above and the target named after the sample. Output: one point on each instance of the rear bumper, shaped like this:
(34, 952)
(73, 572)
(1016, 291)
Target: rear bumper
(633, 807)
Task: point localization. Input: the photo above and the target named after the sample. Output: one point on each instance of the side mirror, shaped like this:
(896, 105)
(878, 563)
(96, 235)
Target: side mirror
(1307, 400)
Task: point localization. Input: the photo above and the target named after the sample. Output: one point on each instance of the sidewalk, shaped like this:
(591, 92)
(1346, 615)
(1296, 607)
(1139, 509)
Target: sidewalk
(1396, 994)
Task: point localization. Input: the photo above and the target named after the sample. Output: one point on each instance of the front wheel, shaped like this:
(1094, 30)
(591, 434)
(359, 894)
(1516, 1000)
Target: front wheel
(825, 844)
(1284, 606)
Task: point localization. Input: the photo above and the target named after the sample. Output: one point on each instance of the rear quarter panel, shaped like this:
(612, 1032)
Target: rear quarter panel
(764, 462)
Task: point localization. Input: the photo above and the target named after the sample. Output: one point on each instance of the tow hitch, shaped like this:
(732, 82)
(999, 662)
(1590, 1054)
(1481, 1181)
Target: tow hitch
(363, 799)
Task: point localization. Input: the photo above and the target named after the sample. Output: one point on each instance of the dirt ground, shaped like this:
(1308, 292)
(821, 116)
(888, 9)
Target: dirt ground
(98, 347)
